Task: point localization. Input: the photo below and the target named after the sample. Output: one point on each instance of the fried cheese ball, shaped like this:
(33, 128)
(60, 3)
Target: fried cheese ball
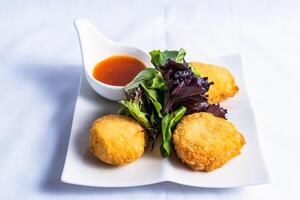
(117, 139)
(205, 142)
(224, 84)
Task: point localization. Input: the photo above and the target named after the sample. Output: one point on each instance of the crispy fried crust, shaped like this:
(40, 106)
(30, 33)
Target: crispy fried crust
(224, 84)
(205, 142)
(117, 140)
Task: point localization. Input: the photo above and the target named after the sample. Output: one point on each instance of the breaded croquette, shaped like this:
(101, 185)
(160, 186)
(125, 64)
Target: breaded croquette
(224, 83)
(117, 139)
(205, 142)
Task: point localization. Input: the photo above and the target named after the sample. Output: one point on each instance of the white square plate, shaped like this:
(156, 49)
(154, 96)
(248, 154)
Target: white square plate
(82, 168)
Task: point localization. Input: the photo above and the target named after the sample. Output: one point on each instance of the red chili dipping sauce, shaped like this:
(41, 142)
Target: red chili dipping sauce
(117, 70)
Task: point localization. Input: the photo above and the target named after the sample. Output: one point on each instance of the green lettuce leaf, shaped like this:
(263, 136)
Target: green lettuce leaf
(154, 97)
(180, 56)
(157, 82)
(145, 75)
(133, 108)
(194, 70)
(167, 123)
(159, 58)
(150, 77)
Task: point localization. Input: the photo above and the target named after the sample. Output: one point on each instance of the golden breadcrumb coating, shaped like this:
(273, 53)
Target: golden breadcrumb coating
(117, 140)
(205, 142)
(224, 84)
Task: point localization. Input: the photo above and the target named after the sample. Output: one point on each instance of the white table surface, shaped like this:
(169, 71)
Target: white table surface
(39, 72)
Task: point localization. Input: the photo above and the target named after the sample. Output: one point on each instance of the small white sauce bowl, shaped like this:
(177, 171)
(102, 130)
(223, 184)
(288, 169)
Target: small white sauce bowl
(95, 47)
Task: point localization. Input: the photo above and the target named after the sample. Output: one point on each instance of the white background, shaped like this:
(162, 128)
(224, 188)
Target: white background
(39, 72)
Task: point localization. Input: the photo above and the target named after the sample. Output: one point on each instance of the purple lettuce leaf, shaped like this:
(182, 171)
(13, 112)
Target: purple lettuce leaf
(187, 89)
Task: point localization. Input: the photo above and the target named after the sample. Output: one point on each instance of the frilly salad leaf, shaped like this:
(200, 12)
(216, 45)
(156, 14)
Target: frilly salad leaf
(145, 95)
(158, 98)
(133, 108)
(187, 89)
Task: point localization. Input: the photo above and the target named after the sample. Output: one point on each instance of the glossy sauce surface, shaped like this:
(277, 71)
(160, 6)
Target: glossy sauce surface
(117, 70)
